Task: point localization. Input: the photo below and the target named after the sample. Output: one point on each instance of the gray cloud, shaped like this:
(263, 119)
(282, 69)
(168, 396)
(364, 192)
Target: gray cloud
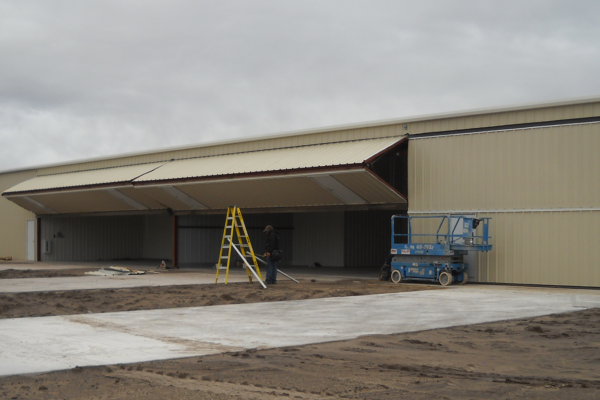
(84, 79)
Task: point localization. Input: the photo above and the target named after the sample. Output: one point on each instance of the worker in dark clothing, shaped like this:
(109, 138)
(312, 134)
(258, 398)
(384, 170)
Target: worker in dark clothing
(272, 246)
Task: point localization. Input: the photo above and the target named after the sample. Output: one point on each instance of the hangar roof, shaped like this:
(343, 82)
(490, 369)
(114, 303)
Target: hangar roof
(367, 124)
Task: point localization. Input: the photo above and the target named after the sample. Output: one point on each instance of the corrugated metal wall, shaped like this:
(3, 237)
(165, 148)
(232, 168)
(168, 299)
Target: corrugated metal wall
(552, 170)
(367, 237)
(200, 236)
(13, 219)
(94, 238)
(548, 248)
(319, 237)
(158, 237)
(555, 167)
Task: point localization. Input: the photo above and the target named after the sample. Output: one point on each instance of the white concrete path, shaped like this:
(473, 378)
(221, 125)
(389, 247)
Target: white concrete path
(31, 345)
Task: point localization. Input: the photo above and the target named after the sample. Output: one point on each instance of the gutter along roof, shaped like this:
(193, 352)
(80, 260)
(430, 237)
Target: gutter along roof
(323, 174)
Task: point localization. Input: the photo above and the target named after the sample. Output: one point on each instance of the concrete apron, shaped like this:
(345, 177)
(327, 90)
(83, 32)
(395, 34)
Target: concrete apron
(42, 344)
(114, 282)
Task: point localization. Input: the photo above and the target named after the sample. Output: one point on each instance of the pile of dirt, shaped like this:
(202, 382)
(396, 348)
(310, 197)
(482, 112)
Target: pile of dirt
(551, 357)
(36, 304)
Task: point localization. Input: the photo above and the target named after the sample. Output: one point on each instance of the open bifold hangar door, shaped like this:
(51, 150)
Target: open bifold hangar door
(331, 174)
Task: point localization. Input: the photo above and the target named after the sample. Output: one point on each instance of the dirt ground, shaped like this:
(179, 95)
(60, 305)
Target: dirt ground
(552, 357)
(38, 304)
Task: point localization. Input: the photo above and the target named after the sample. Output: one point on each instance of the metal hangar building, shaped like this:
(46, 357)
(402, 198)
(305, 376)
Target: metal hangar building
(534, 169)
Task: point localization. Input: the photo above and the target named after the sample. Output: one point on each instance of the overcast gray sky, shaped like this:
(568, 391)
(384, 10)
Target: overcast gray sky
(83, 79)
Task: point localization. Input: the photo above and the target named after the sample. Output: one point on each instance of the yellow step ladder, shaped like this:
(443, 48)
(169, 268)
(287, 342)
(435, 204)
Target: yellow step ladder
(233, 222)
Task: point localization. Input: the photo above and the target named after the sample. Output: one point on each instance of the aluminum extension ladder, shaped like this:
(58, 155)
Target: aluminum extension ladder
(233, 222)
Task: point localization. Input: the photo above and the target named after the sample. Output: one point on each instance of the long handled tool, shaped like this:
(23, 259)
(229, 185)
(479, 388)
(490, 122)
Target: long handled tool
(246, 262)
(278, 270)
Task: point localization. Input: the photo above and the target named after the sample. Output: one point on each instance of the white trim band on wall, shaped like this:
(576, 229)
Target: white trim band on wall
(522, 210)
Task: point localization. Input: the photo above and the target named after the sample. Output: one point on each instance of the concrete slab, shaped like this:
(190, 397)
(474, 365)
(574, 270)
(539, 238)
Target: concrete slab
(60, 265)
(187, 277)
(31, 345)
(113, 282)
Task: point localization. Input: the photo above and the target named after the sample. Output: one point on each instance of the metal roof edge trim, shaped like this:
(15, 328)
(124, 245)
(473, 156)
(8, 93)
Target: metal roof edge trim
(332, 128)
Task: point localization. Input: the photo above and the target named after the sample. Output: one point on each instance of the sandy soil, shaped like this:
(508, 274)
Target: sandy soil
(553, 357)
(36, 304)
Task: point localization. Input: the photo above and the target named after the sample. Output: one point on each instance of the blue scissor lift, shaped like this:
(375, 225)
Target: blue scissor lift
(436, 257)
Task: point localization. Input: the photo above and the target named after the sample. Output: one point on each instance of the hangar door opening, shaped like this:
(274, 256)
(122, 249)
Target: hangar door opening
(200, 236)
(100, 238)
(337, 238)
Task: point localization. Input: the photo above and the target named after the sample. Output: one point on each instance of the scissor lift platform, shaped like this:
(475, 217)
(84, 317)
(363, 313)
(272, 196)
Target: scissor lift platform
(436, 257)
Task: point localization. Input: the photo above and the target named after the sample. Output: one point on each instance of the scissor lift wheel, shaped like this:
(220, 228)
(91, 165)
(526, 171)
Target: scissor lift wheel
(465, 278)
(445, 278)
(396, 276)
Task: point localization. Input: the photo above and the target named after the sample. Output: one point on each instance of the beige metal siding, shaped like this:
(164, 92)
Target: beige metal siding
(526, 114)
(544, 248)
(13, 219)
(286, 191)
(204, 150)
(84, 178)
(334, 154)
(325, 155)
(542, 168)
(502, 174)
